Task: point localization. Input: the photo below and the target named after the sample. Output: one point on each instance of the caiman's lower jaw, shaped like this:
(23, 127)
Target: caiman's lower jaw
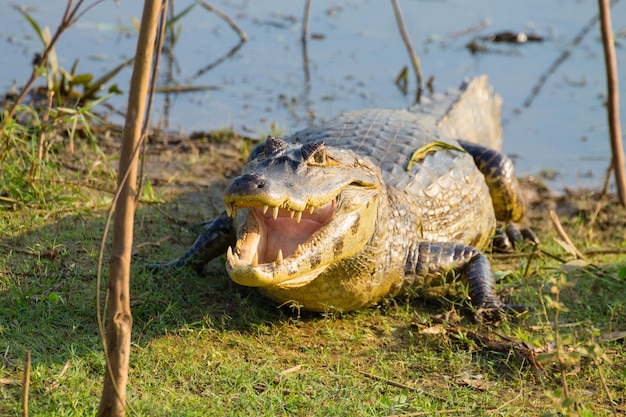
(280, 247)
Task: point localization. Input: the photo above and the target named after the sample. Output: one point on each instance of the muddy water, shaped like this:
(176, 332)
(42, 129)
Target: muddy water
(354, 55)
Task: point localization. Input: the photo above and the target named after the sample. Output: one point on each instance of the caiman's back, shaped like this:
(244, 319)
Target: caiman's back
(418, 155)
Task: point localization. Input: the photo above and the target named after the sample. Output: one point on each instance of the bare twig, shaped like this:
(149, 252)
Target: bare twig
(561, 59)
(6, 381)
(218, 61)
(118, 334)
(26, 383)
(160, 37)
(221, 15)
(607, 180)
(563, 235)
(407, 42)
(36, 165)
(558, 346)
(430, 413)
(305, 19)
(605, 387)
(479, 26)
(400, 385)
(612, 86)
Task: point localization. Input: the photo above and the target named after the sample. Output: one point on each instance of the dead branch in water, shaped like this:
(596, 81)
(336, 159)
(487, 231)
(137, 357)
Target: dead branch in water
(561, 59)
(407, 41)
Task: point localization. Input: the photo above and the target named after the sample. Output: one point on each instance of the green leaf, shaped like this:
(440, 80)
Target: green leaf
(179, 15)
(574, 265)
(546, 357)
(81, 79)
(55, 298)
(566, 246)
(434, 146)
(34, 24)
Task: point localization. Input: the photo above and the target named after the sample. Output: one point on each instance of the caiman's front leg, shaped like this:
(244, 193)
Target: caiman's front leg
(216, 236)
(429, 260)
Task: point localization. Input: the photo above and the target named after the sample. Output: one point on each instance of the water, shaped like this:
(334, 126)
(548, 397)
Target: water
(353, 62)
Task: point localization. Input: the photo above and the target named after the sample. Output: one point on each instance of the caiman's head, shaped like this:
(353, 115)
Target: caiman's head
(299, 209)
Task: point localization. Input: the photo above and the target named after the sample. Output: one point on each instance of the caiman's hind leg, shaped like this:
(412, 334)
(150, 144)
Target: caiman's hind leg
(505, 191)
(429, 260)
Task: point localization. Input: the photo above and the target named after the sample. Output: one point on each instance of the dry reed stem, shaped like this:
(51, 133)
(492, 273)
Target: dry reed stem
(612, 86)
(563, 235)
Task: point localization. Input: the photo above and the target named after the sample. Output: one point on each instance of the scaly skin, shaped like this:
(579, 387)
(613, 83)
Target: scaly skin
(370, 205)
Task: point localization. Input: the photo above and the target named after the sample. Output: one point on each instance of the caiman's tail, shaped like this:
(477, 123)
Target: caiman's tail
(471, 113)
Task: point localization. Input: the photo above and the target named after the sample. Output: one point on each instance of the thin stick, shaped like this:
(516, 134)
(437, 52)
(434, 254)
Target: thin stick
(119, 327)
(400, 385)
(607, 180)
(26, 383)
(559, 348)
(407, 42)
(612, 86)
(305, 19)
(563, 235)
(220, 14)
(429, 413)
(605, 387)
(561, 59)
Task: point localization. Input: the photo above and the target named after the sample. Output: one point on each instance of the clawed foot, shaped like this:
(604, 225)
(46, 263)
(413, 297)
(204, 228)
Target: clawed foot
(512, 237)
(493, 311)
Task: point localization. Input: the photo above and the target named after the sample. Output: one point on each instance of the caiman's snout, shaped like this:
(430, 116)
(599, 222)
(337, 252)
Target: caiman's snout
(248, 184)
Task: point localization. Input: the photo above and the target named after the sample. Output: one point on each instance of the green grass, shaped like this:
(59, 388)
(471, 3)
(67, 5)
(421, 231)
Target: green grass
(205, 346)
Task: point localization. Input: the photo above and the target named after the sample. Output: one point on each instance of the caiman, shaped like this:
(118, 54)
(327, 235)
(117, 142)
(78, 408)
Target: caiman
(371, 205)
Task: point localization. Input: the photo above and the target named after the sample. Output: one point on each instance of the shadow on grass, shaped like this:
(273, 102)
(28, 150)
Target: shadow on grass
(47, 305)
(48, 283)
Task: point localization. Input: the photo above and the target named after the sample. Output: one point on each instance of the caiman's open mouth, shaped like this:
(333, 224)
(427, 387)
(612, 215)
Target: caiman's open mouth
(273, 241)
(282, 233)
(279, 246)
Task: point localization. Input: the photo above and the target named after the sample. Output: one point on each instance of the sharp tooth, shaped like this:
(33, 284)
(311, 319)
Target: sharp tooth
(298, 216)
(299, 250)
(275, 212)
(229, 256)
(229, 210)
(279, 257)
(238, 246)
(291, 213)
(265, 208)
(255, 260)
(273, 265)
(311, 209)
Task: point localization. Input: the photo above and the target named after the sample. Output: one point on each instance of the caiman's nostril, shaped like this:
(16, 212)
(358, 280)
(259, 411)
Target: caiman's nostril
(261, 184)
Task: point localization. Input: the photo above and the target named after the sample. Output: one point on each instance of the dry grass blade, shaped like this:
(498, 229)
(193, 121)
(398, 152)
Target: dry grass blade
(26, 383)
(429, 413)
(400, 385)
(563, 235)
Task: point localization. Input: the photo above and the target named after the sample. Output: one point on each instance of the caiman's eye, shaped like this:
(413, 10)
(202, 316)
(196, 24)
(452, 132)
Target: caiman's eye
(314, 153)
